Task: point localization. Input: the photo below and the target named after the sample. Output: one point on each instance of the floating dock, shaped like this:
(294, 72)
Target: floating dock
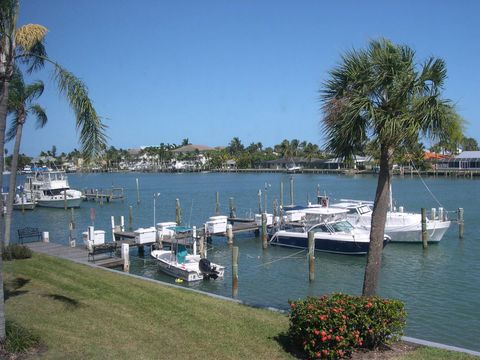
(115, 193)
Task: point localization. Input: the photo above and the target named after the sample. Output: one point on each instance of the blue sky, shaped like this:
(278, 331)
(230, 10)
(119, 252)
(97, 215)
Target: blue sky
(161, 71)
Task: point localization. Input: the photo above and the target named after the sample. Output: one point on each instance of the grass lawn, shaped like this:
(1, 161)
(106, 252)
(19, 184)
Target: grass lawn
(84, 313)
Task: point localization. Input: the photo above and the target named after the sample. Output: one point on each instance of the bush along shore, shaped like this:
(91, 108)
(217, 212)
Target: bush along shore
(59, 309)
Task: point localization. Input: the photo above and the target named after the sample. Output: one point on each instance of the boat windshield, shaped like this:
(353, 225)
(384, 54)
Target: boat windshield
(342, 226)
(364, 209)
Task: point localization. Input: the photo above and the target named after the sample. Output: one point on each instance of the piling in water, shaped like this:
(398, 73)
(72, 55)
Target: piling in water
(233, 211)
(229, 234)
(424, 228)
(178, 212)
(126, 257)
(234, 272)
(311, 256)
(264, 231)
(138, 191)
(217, 203)
(460, 223)
(130, 218)
(291, 190)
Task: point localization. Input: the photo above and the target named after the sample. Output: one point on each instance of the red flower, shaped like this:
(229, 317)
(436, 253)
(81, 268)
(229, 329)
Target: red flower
(337, 338)
(292, 305)
(325, 352)
(316, 332)
(317, 354)
(324, 339)
(323, 333)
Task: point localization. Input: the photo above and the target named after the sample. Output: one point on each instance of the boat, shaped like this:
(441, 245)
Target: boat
(177, 262)
(23, 202)
(187, 267)
(400, 226)
(50, 188)
(333, 233)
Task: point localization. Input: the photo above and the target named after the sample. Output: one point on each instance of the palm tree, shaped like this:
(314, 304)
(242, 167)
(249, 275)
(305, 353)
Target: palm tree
(24, 46)
(20, 105)
(381, 93)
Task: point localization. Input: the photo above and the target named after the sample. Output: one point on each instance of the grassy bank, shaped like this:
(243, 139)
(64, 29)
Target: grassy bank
(80, 313)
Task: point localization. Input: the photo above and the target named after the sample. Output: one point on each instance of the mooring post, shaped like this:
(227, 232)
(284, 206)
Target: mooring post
(65, 199)
(122, 223)
(259, 201)
(275, 212)
(433, 213)
(229, 234)
(72, 230)
(264, 231)
(194, 236)
(291, 190)
(202, 242)
(138, 191)
(424, 228)
(233, 212)
(460, 223)
(234, 272)
(178, 212)
(112, 220)
(141, 250)
(130, 218)
(311, 256)
(217, 203)
(126, 257)
(281, 193)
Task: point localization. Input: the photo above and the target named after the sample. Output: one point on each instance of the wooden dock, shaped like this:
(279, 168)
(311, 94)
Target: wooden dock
(103, 196)
(76, 254)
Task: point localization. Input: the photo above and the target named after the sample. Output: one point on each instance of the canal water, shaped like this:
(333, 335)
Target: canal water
(440, 286)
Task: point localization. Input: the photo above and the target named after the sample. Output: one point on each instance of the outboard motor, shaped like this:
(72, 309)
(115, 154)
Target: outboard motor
(207, 269)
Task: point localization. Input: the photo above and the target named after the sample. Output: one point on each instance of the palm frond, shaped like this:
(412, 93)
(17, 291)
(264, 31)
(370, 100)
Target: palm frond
(92, 130)
(34, 90)
(40, 115)
(29, 35)
(12, 130)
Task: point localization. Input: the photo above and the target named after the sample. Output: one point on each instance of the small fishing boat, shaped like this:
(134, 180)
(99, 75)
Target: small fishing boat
(332, 233)
(400, 226)
(187, 267)
(23, 202)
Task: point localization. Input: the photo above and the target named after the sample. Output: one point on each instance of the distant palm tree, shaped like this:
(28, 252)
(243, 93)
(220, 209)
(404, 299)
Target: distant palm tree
(380, 91)
(20, 105)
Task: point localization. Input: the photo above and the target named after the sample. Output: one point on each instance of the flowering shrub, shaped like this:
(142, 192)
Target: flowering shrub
(331, 327)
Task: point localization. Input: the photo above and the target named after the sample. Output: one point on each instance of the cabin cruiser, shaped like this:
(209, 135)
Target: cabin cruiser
(333, 233)
(51, 189)
(400, 226)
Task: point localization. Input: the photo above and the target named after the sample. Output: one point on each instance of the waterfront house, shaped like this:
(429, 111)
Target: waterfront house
(467, 160)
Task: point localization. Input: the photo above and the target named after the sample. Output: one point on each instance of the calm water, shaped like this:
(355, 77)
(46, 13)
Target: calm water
(440, 286)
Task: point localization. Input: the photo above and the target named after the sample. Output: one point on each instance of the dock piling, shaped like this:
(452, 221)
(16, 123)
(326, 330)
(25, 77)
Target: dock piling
(130, 218)
(138, 192)
(126, 257)
(233, 211)
(194, 236)
(264, 231)
(460, 223)
(178, 212)
(311, 256)
(234, 272)
(122, 223)
(229, 234)
(112, 220)
(281, 194)
(424, 228)
(291, 190)
(71, 228)
(217, 203)
(65, 199)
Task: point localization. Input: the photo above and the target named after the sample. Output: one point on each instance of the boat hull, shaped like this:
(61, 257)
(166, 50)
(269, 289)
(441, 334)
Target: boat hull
(336, 246)
(24, 206)
(60, 203)
(435, 230)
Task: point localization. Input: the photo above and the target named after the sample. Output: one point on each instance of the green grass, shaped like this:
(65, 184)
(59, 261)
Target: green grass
(83, 313)
(425, 353)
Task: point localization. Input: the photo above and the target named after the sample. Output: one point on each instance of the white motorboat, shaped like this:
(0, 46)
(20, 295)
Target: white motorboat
(51, 189)
(23, 202)
(400, 226)
(332, 233)
(187, 267)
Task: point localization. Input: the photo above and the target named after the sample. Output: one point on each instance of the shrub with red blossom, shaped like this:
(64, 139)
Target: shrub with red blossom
(331, 327)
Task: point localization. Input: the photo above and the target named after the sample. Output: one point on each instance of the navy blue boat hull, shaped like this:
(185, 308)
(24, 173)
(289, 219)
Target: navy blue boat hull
(325, 245)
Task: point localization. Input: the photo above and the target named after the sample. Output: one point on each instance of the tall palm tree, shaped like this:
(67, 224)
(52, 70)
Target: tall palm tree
(20, 106)
(24, 46)
(381, 92)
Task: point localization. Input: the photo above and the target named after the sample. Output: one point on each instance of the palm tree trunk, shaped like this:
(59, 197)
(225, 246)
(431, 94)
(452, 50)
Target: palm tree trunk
(377, 230)
(13, 180)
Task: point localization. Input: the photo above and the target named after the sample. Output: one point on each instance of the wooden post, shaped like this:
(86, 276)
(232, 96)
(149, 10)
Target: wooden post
(112, 220)
(264, 231)
(424, 228)
(65, 199)
(130, 218)
(311, 256)
(275, 211)
(202, 242)
(178, 212)
(281, 194)
(460, 223)
(229, 234)
(126, 257)
(234, 272)
(138, 191)
(217, 203)
(194, 236)
(433, 213)
(233, 211)
(72, 230)
(141, 250)
(291, 190)
(259, 201)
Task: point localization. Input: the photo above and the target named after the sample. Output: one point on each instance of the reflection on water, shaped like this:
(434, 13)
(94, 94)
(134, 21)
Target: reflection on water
(440, 286)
